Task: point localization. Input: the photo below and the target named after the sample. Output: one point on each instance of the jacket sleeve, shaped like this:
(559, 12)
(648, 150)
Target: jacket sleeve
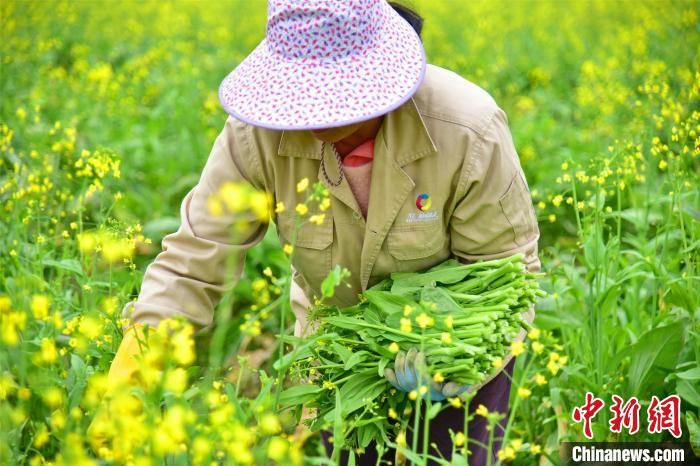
(494, 216)
(191, 274)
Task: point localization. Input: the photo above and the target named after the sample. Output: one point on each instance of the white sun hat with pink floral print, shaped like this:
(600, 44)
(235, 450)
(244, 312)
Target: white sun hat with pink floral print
(326, 63)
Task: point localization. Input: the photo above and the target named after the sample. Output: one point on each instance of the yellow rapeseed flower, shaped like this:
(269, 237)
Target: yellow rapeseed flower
(540, 379)
(449, 321)
(5, 304)
(302, 209)
(328, 385)
(506, 454)
(406, 325)
(288, 249)
(497, 362)
(533, 334)
(183, 345)
(537, 347)
(317, 219)
(87, 242)
(424, 320)
(48, 350)
(116, 250)
(460, 439)
(401, 439)
(302, 185)
(53, 397)
(394, 347)
(41, 437)
(517, 348)
(277, 448)
(90, 327)
(482, 410)
(270, 424)
(40, 306)
(259, 204)
(176, 381)
(523, 392)
(279, 207)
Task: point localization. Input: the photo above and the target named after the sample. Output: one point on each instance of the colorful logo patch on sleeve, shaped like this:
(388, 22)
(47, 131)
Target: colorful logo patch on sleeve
(423, 202)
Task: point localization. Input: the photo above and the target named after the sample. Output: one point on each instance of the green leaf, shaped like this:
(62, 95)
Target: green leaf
(688, 392)
(299, 394)
(355, 359)
(349, 323)
(69, 265)
(362, 396)
(361, 388)
(388, 303)
(384, 285)
(594, 252)
(366, 433)
(447, 275)
(266, 383)
(434, 410)
(382, 365)
(693, 431)
(690, 374)
(331, 281)
(659, 347)
(445, 303)
(300, 352)
(78, 376)
(357, 381)
(338, 434)
(344, 353)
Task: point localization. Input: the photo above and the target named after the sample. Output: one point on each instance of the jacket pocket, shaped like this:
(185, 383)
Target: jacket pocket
(516, 206)
(312, 247)
(416, 242)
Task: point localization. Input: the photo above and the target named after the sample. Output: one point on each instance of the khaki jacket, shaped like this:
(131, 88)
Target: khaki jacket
(450, 141)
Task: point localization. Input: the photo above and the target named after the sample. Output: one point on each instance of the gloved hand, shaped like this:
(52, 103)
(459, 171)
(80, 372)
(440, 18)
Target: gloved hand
(409, 366)
(124, 367)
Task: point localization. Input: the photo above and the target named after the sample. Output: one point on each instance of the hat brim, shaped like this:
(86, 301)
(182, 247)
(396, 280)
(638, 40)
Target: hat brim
(269, 91)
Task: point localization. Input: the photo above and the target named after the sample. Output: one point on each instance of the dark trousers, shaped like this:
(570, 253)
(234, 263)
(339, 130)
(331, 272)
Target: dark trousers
(494, 395)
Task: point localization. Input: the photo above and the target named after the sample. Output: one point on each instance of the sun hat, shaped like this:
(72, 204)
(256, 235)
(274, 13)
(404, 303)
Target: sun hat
(325, 63)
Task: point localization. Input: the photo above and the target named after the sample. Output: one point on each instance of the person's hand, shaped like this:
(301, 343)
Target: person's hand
(410, 368)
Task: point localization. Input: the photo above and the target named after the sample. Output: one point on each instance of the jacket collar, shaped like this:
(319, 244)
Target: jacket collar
(403, 130)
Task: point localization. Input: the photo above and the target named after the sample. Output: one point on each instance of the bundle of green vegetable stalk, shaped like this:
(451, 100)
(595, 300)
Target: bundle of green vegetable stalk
(461, 316)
